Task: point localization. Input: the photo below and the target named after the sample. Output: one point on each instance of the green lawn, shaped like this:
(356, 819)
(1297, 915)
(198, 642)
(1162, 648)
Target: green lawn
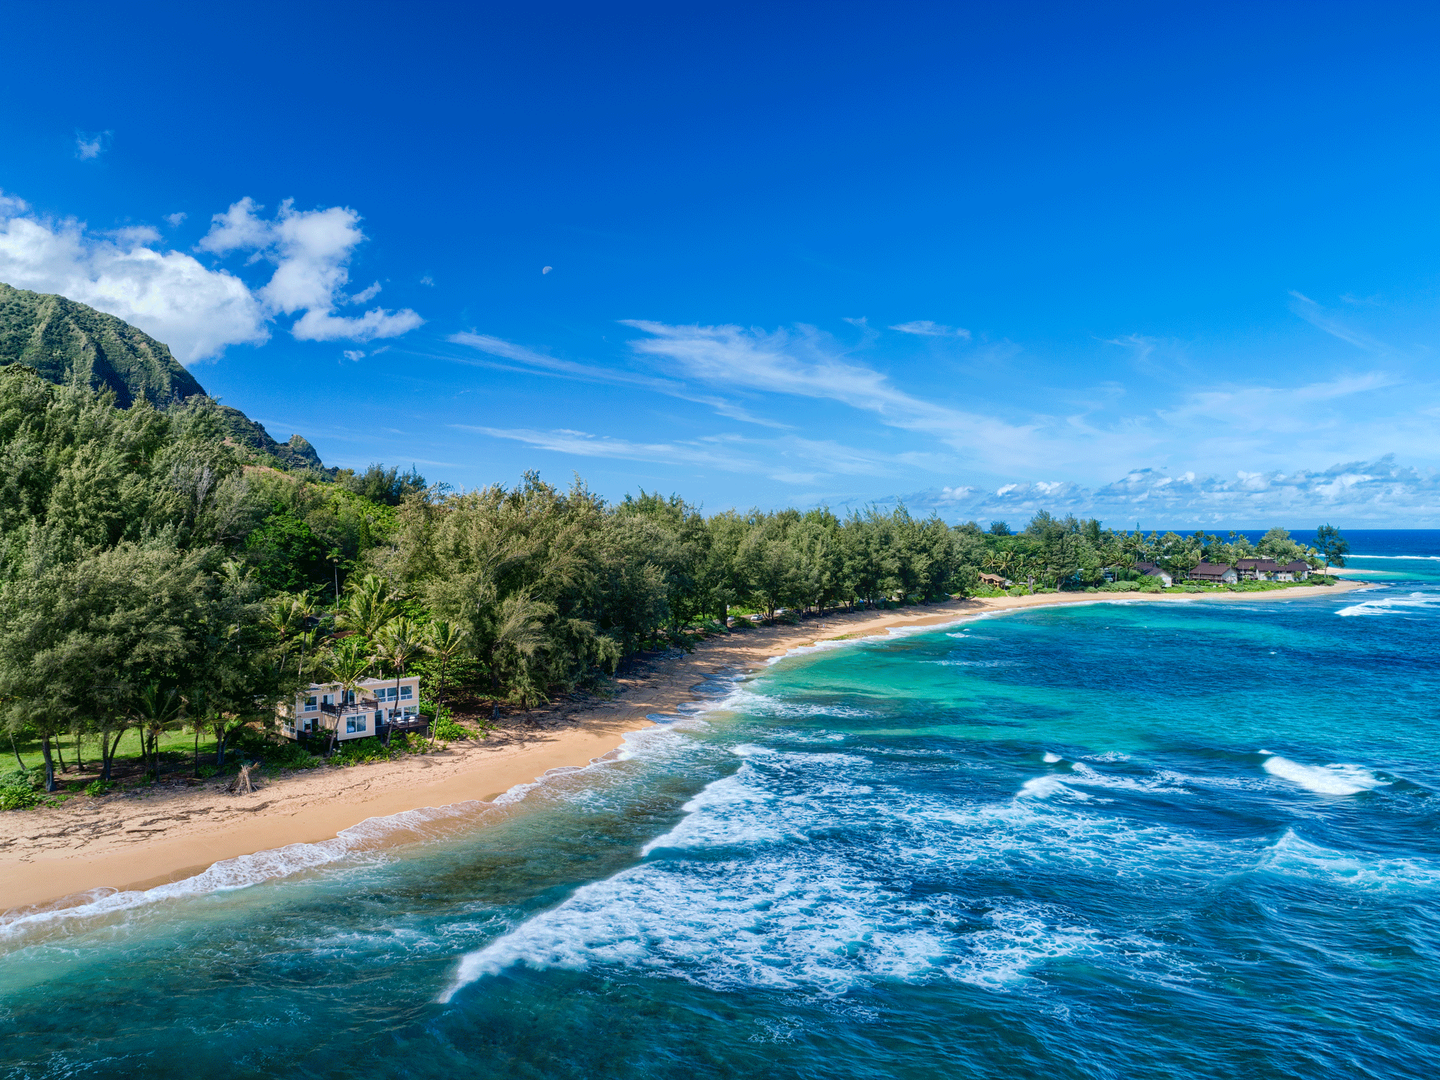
(177, 750)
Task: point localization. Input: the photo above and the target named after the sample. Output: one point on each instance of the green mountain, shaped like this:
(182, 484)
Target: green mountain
(55, 335)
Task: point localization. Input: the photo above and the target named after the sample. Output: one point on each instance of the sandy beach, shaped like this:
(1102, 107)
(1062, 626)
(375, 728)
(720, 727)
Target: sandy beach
(171, 831)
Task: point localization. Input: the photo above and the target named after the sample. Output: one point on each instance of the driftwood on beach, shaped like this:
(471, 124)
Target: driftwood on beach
(241, 784)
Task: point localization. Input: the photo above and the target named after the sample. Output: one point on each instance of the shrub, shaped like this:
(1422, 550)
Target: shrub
(449, 730)
(18, 790)
(96, 788)
(360, 752)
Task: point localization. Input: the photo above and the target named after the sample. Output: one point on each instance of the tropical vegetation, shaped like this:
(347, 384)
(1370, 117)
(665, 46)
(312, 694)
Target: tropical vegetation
(154, 575)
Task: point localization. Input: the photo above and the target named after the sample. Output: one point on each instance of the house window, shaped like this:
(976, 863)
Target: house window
(311, 705)
(350, 725)
(328, 699)
(412, 710)
(407, 692)
(379, 716)
(386, 693)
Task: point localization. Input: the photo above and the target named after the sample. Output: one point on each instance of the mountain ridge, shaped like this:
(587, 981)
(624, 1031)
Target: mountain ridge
(56, 335)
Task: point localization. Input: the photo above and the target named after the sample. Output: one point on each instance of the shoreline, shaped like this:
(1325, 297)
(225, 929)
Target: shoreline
(55, 857)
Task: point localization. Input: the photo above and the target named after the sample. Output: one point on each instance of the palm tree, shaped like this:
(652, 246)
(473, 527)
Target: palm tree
(399, 641)
(280, 620)
(369, 607)
(443, 640)
(348, 665)
(197, 707)
(157, 711)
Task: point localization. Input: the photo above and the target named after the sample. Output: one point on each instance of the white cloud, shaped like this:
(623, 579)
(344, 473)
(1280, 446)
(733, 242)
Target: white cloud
(926, 328)
(775, 458)
(168, 294)
(176, 218)
(364, 296)
(1356, 493)
(91, 145)
(530, 358)
(196, 310)
(354, 354)
(808, 364)
(311, 251)
(1318, 317)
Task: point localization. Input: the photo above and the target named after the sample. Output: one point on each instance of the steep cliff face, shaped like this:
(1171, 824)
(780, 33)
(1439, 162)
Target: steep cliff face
(56, 336)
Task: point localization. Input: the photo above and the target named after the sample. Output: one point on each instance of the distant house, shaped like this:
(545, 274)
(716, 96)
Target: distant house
(1150, 569)
(1257, 569)
(1298, 570)
(1213, 574)
(994, 581)
(375, 706)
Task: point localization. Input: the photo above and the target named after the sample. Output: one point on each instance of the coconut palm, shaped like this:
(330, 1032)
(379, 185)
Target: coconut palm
(399, 642)
(369, 607)
(348, 665)
(157, 711)
(443, 640)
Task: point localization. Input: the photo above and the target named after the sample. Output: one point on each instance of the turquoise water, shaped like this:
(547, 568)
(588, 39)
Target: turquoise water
(1116, 840)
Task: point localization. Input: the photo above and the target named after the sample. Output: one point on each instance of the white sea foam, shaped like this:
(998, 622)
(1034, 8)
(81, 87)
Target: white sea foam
(758, 704)
(1294, 855)
(1052, 758)
(1433, 558)
(1042, 787)
(244, 871)
(791, 909)
(1324, 779)
(1166, 782)
(1393, 605)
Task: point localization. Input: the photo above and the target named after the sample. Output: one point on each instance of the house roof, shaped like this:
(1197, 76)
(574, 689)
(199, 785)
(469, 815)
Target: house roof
(1208, 570)
(1148, 568)
(365, 682)
(1296, 565)
(1268, 565)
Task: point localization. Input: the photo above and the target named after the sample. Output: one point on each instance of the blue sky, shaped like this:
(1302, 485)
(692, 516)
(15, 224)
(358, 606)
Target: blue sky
(1170, 264)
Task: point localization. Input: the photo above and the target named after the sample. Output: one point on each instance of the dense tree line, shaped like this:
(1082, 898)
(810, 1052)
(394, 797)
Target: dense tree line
(151, 574)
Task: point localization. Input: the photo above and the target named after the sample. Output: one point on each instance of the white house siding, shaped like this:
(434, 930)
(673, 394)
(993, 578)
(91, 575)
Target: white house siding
(374, 701)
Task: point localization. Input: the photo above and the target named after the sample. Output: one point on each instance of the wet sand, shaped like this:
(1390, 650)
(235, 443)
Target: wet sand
(173, 830)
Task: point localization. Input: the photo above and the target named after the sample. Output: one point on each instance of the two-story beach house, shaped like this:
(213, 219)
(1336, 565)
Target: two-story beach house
(1257, 569)
(373, 707)
(1270, 570)
(1206, 573)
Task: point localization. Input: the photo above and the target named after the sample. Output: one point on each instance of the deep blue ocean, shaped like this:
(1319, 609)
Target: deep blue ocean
(1125, 839)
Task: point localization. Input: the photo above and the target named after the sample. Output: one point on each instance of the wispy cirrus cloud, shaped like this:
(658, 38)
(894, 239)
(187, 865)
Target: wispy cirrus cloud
(806, 363)
(926, 328)
(530, 359)
(1328, 321)
(1224, 425)
(789, 458)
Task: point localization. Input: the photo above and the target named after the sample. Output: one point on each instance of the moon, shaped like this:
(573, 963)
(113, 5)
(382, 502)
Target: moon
(547, 269)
